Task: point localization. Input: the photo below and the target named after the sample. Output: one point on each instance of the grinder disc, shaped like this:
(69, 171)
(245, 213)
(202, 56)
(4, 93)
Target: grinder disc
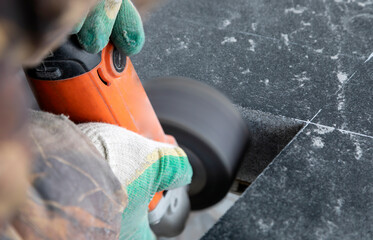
(209, 129)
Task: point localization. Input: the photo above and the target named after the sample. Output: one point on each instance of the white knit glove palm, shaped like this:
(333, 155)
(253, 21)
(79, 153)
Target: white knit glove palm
(143, 166)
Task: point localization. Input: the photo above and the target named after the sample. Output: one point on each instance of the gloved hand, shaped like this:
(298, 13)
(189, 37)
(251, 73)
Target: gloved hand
(143, 166)
(114, 19)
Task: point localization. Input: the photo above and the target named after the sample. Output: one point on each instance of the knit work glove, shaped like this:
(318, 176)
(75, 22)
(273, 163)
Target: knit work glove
(143, 166)
(117, 20)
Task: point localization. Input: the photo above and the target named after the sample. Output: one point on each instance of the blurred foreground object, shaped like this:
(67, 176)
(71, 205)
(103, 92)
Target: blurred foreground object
(14, 157)
(28, 30)
(73, 192)
(31, 28)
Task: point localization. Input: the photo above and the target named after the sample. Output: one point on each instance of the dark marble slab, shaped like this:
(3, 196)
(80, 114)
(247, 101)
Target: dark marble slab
(266, 69)
(351, 107)
(330, 27)
(269, 134)
(283, 63)
(319, 187)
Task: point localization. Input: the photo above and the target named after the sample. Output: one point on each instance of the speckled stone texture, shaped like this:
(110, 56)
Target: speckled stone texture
(285, 64)
(319, 187)
(269, 134)
(279, 56)
(350, 108)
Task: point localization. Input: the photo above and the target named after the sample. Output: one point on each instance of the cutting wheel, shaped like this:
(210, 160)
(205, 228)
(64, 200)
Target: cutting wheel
(208, 127)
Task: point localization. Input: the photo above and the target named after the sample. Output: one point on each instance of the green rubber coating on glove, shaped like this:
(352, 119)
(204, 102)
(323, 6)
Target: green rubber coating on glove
(123, 25)
(96, 30)
(166, 173)
(128, 32)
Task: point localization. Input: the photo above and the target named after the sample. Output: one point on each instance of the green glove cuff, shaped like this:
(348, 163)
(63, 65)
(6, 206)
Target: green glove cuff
(170, 171)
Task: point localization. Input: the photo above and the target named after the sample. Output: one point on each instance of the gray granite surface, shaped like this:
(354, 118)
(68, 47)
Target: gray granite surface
(319, 187)
(350, 108)
(269, 134)
(285, 64)
(281, 56)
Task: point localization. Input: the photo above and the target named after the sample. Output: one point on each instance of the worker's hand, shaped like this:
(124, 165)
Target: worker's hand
(143, 166)
(114, 19)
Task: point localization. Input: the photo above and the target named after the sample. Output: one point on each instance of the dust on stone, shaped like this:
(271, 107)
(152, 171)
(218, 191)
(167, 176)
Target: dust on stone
(228, 40)
(317, 142)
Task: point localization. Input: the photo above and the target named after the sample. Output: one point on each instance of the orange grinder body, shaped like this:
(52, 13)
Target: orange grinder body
(109, 92)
